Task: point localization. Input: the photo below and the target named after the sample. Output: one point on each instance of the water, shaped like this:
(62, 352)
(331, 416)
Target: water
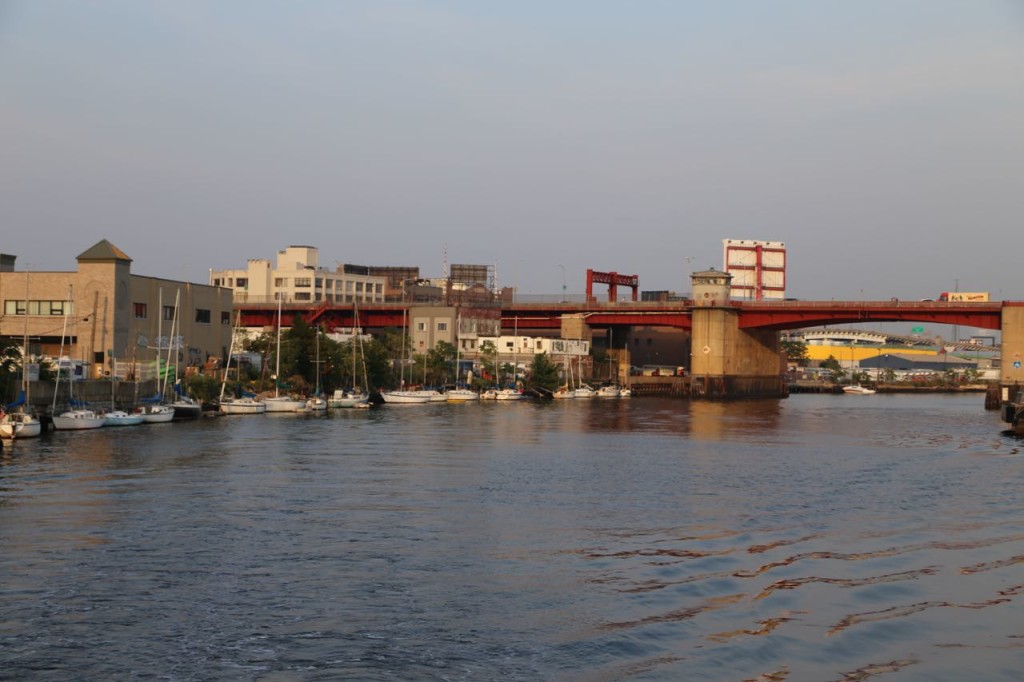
(815, 538)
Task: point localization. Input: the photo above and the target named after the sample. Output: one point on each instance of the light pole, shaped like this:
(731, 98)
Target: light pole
(563, 282)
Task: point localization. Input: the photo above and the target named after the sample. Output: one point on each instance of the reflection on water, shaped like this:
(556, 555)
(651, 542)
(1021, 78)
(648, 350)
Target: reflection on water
(814, 538)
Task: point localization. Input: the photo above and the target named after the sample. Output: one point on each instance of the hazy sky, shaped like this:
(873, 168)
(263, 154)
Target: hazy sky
(881, 140)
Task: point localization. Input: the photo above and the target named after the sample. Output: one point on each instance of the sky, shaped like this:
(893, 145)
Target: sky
(880, 141)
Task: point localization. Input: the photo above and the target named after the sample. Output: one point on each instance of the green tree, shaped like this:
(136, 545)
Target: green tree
(10, 369)
(544, 373)
(203, 387)
(488, 358)
(795, 350)
(298, 350)
(441, 363)
(836, 373)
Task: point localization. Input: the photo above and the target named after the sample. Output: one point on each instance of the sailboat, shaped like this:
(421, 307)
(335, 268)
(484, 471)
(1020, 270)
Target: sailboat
(76, 418)
(154, 410)
(246, 404)
(402, 395)
(185, 407)
(355, 397)
(21, 424)
(281, 403)
(114, 416)
(459, 394)
(565, 391)
(317, 402)
(512, 393)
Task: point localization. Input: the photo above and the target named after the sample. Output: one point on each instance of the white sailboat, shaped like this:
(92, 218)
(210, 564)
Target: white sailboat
(356, 396)
(282, 403)
(183, 405)
(459, 394)
(512, 393)
(245, 404)
(565, 391)
(402, 396)
(317, 402)
(21, 424)
(155, 410)
(76, 418)
(114, 416)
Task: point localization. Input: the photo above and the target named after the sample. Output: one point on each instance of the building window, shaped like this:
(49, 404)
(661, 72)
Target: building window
(242, 283)
(302, 296)
(140, 310)
(36, 307)
(421, 326)
(225, 317)
(202, 316)
(303, 282)
(168, 313)
(216, 281)
(442, 326)
(280, 282)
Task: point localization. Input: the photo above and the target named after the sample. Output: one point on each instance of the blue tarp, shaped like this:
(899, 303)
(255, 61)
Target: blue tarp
(153, 399)
(17, 403)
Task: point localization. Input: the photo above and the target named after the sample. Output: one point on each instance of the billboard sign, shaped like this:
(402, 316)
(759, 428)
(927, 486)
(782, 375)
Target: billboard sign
(758, 268)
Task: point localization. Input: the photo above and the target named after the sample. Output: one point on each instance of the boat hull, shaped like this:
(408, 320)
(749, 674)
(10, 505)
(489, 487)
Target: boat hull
(405, 397)
(243, 406)
(348, 401)
(462, 395)
(121, 418)
(284, 405)
(20, 426)
(77, 420)
(155, 414)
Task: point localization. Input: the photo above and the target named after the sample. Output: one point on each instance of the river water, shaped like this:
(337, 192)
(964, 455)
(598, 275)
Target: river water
(814, 538)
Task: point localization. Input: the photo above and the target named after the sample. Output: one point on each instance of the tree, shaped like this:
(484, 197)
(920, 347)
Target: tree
(544, 373)
(440, 361)
(795, 350)
(836, 373)
(488, 358)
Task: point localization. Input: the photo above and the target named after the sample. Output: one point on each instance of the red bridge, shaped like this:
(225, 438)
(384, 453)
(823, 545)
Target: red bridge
(778, 315)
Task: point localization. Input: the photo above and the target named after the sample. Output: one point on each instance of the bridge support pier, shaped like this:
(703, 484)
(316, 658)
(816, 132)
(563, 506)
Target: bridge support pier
(1012, 351)
(729, 362)
(725, 360)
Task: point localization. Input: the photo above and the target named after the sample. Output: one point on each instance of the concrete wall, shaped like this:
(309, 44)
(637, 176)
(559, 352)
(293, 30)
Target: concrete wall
(1013, 345)
(732, 362)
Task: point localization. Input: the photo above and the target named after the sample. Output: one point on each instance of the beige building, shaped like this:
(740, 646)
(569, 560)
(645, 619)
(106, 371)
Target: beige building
(297, 276)
(105, 313)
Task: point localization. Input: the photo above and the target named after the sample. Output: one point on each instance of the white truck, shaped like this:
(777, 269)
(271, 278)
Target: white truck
(964, 296)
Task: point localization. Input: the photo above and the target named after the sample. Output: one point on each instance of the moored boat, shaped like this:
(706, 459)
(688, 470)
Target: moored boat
(121, 418)
(461, 395)
(243, 405)
(77, 420)
(857, 389)
(410, 397)
(19, 425)
(155, 413)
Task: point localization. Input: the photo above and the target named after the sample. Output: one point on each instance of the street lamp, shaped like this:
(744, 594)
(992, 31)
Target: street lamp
(563, 282)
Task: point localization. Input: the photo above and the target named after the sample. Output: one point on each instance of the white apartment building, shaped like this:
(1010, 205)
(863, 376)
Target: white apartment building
(297, 276)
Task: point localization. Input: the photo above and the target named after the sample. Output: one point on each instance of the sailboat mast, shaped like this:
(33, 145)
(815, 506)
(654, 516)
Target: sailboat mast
(24, 357)
(63, 332)
(277, 352)
(170, 346)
